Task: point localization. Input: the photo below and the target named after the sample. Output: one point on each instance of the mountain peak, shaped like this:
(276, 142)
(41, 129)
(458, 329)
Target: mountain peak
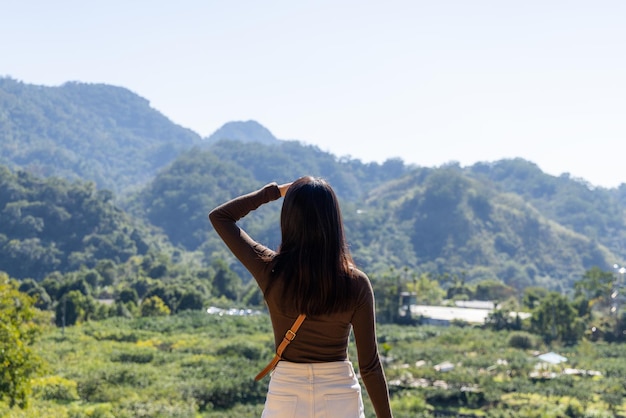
(248, 131)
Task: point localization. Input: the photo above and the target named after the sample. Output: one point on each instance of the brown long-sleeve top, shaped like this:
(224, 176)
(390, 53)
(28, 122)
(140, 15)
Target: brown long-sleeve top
(320, 338)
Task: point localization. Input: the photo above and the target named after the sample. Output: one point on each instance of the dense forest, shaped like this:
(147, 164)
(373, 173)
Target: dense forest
(104, 239)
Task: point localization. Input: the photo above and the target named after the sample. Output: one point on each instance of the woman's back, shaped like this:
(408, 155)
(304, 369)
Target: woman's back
(321, 337)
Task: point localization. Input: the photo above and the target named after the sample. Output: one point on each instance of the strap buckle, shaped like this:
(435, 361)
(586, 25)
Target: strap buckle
(290, 335)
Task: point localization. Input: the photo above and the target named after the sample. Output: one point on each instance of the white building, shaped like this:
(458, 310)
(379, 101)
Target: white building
(444, 315)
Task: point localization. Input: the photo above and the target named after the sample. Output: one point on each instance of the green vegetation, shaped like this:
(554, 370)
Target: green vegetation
(505, 221)
(49, 225)
(18, 331)
(196, 365)
(151, 351)
(96, 132)
(174, 366)
(108, 262)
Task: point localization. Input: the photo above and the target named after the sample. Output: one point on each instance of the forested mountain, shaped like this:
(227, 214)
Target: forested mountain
(595, 212)
(442, 221)
(505, 220)
(49, 225)
(113, 137)
(456, 223)
(96, 132)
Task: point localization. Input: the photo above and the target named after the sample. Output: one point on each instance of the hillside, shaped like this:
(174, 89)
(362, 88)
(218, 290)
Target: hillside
(441, 221)
(456, 223)
(595, 212)
(95, 132)
(504, 220)
(49, 225)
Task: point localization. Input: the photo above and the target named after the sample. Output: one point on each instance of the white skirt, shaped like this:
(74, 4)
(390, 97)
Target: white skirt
(314, 390)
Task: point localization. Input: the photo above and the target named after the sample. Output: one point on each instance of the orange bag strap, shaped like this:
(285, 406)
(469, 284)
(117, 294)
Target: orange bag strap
(289, 336)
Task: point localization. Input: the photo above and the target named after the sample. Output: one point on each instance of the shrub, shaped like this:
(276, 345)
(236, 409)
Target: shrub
(137, 356)
(410, 404)
(521, 340)
(223, 393)
(154, 306)
(116, 335)
(55, 388)
(191, 301)
(248, 350)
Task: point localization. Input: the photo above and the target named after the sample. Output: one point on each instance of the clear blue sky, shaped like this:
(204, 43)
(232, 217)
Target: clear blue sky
(427, 81)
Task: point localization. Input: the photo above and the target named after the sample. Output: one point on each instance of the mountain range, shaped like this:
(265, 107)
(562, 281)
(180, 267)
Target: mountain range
(503, 220)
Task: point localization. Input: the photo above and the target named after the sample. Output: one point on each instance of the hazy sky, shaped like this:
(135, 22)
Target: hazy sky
(427, 81)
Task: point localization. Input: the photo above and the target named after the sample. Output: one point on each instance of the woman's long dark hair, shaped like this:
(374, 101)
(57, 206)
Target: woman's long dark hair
(313, 263)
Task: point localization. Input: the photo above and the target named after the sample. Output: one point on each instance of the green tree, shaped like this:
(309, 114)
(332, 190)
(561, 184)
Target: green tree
(154, 306)
(597, 286)
(106, 268)
(127, 295)
(37, 292)
(92, 277)
(169, 293)
(459, 288)
(493, 290)
(74, 307)
(533, 296)
(225, 282)
(555, 319)
(191, 300)
(252, 295)
(387, 291)
(18, 332)
(427, 290)
(498, 319)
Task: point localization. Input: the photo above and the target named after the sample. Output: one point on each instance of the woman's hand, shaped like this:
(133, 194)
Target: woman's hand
(283, 189)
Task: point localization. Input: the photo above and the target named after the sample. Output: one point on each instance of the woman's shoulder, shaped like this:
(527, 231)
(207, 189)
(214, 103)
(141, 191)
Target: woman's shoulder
(358, 274)
(360, 280)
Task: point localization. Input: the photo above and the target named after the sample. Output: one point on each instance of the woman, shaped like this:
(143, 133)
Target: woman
(312, 273)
